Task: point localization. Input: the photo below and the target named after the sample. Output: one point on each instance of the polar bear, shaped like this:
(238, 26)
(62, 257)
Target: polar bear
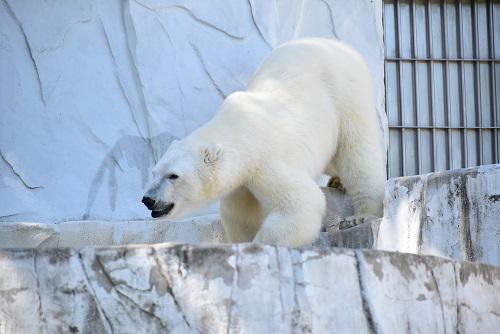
(308, 110)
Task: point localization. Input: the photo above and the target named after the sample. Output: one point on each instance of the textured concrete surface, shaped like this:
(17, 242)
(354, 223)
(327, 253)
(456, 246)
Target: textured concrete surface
(93, 91)
(454, 214)
(201, 230)
(243, 289)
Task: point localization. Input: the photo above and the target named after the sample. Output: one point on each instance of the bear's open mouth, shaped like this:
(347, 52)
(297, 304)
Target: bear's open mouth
(165, 211)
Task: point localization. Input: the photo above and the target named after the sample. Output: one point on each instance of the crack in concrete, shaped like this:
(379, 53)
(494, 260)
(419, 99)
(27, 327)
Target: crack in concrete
(257, 26)
(372, 326)
(48, 239)
(133, 302)
(235, 282)
(67, 29)
(456, 278)
(94, 294)
(15, 214)
(66, 32)
(277, 25)
(205, 69)
(19, 177)
(137, 80)
(118, 77)
(37, 279)
(423, 215)
(298, 23)
(332, 22)
(128, 298)
(467, 306)
(179, 86)
(193, 16)
(465, 234)
(169, 287)
(280, 283)
(298, 323)
(13, 291)
(28, 47)
(441, 304)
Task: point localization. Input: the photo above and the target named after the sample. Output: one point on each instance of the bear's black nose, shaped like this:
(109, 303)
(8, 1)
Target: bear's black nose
(148, 202)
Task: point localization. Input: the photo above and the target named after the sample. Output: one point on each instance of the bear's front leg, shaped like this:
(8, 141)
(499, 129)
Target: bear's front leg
(241, 215)
(297, 210)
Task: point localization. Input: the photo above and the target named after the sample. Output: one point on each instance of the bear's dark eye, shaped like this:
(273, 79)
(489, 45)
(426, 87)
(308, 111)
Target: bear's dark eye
(172, 176)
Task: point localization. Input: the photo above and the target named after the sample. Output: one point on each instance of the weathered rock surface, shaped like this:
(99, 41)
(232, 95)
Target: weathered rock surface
(243, 289)
(200, 230)
(453, 213)
(93, 91)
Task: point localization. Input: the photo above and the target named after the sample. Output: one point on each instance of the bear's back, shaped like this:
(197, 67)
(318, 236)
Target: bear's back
(303, 61)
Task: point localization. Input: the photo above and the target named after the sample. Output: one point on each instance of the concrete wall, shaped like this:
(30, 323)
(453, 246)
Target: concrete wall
(243, 289)
(454, 214)
(93, 91)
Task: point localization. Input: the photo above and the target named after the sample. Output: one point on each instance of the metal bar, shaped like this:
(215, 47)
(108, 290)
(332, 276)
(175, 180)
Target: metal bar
(444, 20)
(415, 85)
(400, 88)
(462, 80)
(477, 92)
(444, 127)
(493, 79)
(477, 130)
(431, 83)
(388, 165)
(489, 60)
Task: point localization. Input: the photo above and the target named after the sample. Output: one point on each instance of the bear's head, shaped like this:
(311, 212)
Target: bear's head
(184, 180)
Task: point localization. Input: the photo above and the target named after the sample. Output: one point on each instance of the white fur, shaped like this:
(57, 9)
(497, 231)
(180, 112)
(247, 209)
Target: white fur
(308, 110)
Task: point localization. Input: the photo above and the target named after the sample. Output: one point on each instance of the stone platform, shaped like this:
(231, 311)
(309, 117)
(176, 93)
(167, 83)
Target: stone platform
(243, 289)
(453, 214)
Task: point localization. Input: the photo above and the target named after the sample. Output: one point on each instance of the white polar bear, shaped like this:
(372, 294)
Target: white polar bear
(308, 110)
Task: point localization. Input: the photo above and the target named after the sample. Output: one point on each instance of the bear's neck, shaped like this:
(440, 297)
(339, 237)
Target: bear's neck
(235, 163)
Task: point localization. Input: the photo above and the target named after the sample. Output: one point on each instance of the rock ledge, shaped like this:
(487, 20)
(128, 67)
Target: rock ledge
(243, 288)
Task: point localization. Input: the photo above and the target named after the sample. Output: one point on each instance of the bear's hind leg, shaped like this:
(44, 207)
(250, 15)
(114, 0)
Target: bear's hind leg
(241, 215)
(363, 177)
(298, 206)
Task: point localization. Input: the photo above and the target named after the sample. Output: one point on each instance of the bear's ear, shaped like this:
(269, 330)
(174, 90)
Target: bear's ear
(212, 153)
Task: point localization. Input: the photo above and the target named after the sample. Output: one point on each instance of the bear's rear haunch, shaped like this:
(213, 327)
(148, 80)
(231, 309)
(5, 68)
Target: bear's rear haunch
(308, 110)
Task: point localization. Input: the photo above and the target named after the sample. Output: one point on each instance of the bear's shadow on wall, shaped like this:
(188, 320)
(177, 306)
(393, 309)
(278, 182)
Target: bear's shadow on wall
(136, 152)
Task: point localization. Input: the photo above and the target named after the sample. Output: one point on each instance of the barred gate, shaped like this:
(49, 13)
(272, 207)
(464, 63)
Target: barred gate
(442, 84)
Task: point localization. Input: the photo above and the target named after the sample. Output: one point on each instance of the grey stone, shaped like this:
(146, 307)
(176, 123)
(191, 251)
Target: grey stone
(76, 234)
(453, 214)
(243, 288)
(339, 207)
